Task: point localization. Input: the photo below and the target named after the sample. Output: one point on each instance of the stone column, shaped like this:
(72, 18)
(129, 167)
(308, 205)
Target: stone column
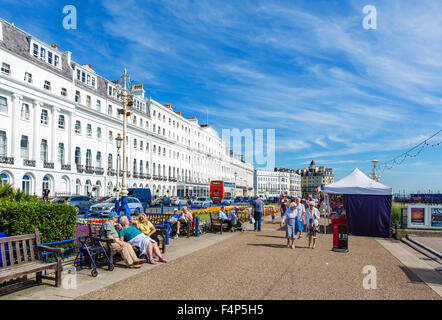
(15, 132)
(54, 142)
(36, 130)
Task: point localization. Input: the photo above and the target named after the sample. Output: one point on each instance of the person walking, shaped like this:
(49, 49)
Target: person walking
(314, 216)
(283, 205)
(258, 206)
(300, 209)
(289, 219)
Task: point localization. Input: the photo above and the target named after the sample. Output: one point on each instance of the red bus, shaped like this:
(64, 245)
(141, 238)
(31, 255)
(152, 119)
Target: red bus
(216, 190)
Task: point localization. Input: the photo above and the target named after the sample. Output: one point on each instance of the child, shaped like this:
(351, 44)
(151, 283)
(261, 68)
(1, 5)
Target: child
(273, 215)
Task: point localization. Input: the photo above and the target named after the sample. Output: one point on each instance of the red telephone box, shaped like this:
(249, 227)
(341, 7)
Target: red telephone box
(340, 235)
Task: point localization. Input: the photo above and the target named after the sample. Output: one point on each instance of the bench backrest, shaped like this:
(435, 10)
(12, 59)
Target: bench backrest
(214, 217)
(158, 218)
(19, 249)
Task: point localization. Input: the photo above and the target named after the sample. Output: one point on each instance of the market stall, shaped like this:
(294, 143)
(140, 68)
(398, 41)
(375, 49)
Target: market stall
(367, 204)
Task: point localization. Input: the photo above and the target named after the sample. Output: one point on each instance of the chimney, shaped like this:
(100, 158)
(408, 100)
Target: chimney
(55, 46)
(68, 57)
(90, 66)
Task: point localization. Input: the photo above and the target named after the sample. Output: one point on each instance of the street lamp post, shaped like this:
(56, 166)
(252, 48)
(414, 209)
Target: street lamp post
(234, 189)
(126, 97)
(118, 141)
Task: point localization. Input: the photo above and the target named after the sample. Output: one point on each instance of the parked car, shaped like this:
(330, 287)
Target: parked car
(179, 201)
(227, 201)
(103, 209)
(165, 201)
(79, 202)
(202, 203)
(142, 194)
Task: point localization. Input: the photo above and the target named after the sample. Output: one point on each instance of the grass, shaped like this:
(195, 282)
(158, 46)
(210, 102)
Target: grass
(396, 212)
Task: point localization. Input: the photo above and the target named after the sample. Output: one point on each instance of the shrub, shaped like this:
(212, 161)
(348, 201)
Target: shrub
(8, 194)
(55, 222)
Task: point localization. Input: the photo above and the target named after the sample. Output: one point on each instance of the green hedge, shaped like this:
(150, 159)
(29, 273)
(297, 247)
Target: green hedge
(55, 222)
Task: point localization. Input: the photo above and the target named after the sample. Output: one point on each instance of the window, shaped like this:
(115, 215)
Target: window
(141, 145)
(28, 77)
(6, 68)
(56, 61)
(47, 85)
(25, 111)
(3, 105)
(61, 122)
(89, 130)
(24, 147)
(77, 156)
(77, 97)
(99, 133)
(61, 153)
(88, 158)
(134, 120)
(98, 105)
(98, 158)
(78, 127)
(110, 137)
(43, 54)
(50, 57)
(35, 50)
(26, 185)
(135, 143)
(110, 161)
(64, 92)
(109, 110)
(88, 101)
(44, 150)
(3, 145)
(44, 117)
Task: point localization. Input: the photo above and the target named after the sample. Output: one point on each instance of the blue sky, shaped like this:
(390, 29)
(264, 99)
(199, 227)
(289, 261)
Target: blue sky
(334, 92)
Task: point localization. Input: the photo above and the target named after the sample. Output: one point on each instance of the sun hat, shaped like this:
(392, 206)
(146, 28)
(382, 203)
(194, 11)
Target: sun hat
(175, 209)
(113, 215)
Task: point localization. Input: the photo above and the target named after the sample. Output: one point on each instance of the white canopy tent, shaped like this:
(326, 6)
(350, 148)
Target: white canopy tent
(358, 183)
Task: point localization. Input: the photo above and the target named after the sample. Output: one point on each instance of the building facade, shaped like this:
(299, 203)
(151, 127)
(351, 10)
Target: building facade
(313, 177)
(277, 182)
(59, 120)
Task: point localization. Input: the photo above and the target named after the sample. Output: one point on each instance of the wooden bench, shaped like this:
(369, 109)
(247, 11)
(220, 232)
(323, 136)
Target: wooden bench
(19, 262)
(216, 222)
(160, 219)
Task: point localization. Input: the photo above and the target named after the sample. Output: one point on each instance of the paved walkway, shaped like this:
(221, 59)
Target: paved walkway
(434, 243)
(259, 266)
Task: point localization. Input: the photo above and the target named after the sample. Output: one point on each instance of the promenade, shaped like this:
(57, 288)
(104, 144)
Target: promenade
(259, 266)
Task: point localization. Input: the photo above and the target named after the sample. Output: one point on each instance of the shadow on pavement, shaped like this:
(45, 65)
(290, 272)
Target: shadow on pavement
(268, 245)
(429, 274)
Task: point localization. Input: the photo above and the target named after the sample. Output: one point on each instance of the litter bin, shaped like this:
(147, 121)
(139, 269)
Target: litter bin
(340, 235)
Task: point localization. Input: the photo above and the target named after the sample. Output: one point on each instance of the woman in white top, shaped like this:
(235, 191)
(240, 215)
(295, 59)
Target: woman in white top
(314, 215)
(289, 219)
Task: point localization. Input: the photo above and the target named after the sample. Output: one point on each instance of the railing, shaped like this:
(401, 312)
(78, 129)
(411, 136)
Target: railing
(99, 171)
(7, 160)
(66, 167)
(29, 163)
(135, 175)
(90, 169)
(111, 172)
(80, 168)
(48, 165)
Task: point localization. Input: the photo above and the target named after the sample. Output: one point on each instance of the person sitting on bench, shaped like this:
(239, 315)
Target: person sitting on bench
(109, 231)
(184, 219)
(144, 225)
(137, 238)
(222, 215)
(234, 220)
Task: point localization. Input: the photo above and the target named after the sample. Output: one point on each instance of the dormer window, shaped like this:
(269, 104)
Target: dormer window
(86, 77)
(45, 54)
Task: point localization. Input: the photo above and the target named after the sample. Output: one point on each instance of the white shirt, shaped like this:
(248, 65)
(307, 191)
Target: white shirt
(315, 215)
(300, 209)
(289, 214)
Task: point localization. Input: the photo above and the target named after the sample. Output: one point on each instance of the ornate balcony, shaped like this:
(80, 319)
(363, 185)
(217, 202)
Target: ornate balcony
(29, 163)
(80, 168)
(148, 176)
(111, 172)
(7, 160)
(48, 165)
(90, 169)
(66, 167)
(136, 175)
(99, 171)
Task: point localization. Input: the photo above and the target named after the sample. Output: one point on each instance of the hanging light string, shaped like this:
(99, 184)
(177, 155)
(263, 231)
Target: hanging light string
(412, 153)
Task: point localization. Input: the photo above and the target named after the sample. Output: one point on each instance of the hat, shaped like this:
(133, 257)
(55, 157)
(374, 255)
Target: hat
(175, 209)
(113, 215)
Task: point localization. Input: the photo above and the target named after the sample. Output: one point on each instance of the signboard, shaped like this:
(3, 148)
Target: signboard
(425, 216)
(436, 217)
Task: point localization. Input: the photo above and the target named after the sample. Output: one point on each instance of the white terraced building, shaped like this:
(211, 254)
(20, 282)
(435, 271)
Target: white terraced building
(277, 182)
(59, 121)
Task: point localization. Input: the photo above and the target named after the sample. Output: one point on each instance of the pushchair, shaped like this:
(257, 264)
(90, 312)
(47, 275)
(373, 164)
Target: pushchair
(236, 224)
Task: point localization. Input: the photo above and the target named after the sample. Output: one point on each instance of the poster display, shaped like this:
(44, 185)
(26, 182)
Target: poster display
(436, 217)
(424, 216)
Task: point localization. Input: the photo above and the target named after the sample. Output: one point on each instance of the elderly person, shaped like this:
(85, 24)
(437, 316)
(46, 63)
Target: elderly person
(184, 219)
(289, 219)
(109, 231)
(314, 216)
(137, 238)
(222, 215)
(234, 219)
(300, 209)
(145, 226)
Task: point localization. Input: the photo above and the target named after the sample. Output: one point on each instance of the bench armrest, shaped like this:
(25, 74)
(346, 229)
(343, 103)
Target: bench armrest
(49, 249)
